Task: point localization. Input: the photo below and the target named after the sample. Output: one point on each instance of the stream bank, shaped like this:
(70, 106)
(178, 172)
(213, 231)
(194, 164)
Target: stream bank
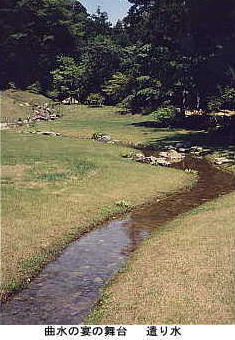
(68, 288)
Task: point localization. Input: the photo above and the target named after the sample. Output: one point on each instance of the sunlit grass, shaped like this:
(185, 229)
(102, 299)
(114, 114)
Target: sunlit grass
(55, 188)
(183, 274)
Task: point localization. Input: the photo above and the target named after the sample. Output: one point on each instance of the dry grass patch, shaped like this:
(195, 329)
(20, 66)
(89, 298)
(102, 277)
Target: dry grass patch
(16, 104)
(183, 274)
(14, 171)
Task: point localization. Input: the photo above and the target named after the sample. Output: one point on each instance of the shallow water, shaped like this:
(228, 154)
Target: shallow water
(68, 288)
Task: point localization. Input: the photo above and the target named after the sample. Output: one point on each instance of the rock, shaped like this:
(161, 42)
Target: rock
(70, 100)
(171, 156)
(162, 161)
(164, 154)
(165, 159)
(101, 137)
(199, 151)
(150, 160)
(223, 160)
(179, 145)
(43, 112)
(139, 157)
(48, 133)
(196, 148)
(199, 148)
(127, 155)
(182, 150)
(174, 155)
(4, 126)
(205, 152)
(168, 147)
(193, 148)
(98, 280)
(104, 138)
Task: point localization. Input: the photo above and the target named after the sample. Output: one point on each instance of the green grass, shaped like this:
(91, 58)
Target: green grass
(55, 188)
(82, 121)
(183, 274)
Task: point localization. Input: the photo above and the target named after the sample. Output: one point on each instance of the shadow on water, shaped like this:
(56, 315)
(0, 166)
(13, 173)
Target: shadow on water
(68, 288)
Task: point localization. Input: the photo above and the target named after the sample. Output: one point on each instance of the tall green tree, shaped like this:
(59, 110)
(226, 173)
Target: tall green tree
(67, 78)
(34, 33)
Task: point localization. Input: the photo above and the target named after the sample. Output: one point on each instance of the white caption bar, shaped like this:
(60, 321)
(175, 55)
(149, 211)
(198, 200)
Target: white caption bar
(118, 332)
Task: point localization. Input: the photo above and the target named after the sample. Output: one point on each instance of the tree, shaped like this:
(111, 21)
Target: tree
(66, 78)
(118, 87)
(100, 59)
(34, 33)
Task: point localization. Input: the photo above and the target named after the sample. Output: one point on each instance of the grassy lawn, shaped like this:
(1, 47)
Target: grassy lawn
(82, 121)
(183, 274)
(55, 188)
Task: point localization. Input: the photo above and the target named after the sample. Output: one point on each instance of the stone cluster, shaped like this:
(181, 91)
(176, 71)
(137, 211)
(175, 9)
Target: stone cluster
(43, 112)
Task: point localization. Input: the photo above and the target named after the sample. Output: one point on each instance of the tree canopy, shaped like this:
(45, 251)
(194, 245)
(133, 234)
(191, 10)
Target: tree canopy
(164, 52)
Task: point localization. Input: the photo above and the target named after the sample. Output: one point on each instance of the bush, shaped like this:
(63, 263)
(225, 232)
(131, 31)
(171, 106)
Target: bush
(226, 100)
(95, 99)
(123, 204)
(34, 88)
(215, 104)
(167, 115)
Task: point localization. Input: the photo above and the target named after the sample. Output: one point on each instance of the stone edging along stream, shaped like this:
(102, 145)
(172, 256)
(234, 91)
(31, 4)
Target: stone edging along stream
(168, 153)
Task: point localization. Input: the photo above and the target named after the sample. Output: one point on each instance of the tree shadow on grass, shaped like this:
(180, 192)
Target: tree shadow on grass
(221, 140)
(196, 131)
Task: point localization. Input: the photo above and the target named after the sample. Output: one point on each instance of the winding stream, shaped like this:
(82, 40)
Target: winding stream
(68, 288)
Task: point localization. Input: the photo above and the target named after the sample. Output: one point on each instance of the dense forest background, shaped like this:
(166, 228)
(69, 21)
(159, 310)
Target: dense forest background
(170, 53)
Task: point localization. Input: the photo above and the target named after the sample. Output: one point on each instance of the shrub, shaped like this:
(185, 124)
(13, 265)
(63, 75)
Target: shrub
(95, 99)
(34, 88)
(214, 104)
(226, 100)
(123, 204)
(167, 115)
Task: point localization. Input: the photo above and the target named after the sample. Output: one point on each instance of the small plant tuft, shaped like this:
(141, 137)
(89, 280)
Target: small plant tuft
(123, 204)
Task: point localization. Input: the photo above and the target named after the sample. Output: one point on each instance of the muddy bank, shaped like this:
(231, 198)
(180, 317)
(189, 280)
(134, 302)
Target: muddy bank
(68, 288)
